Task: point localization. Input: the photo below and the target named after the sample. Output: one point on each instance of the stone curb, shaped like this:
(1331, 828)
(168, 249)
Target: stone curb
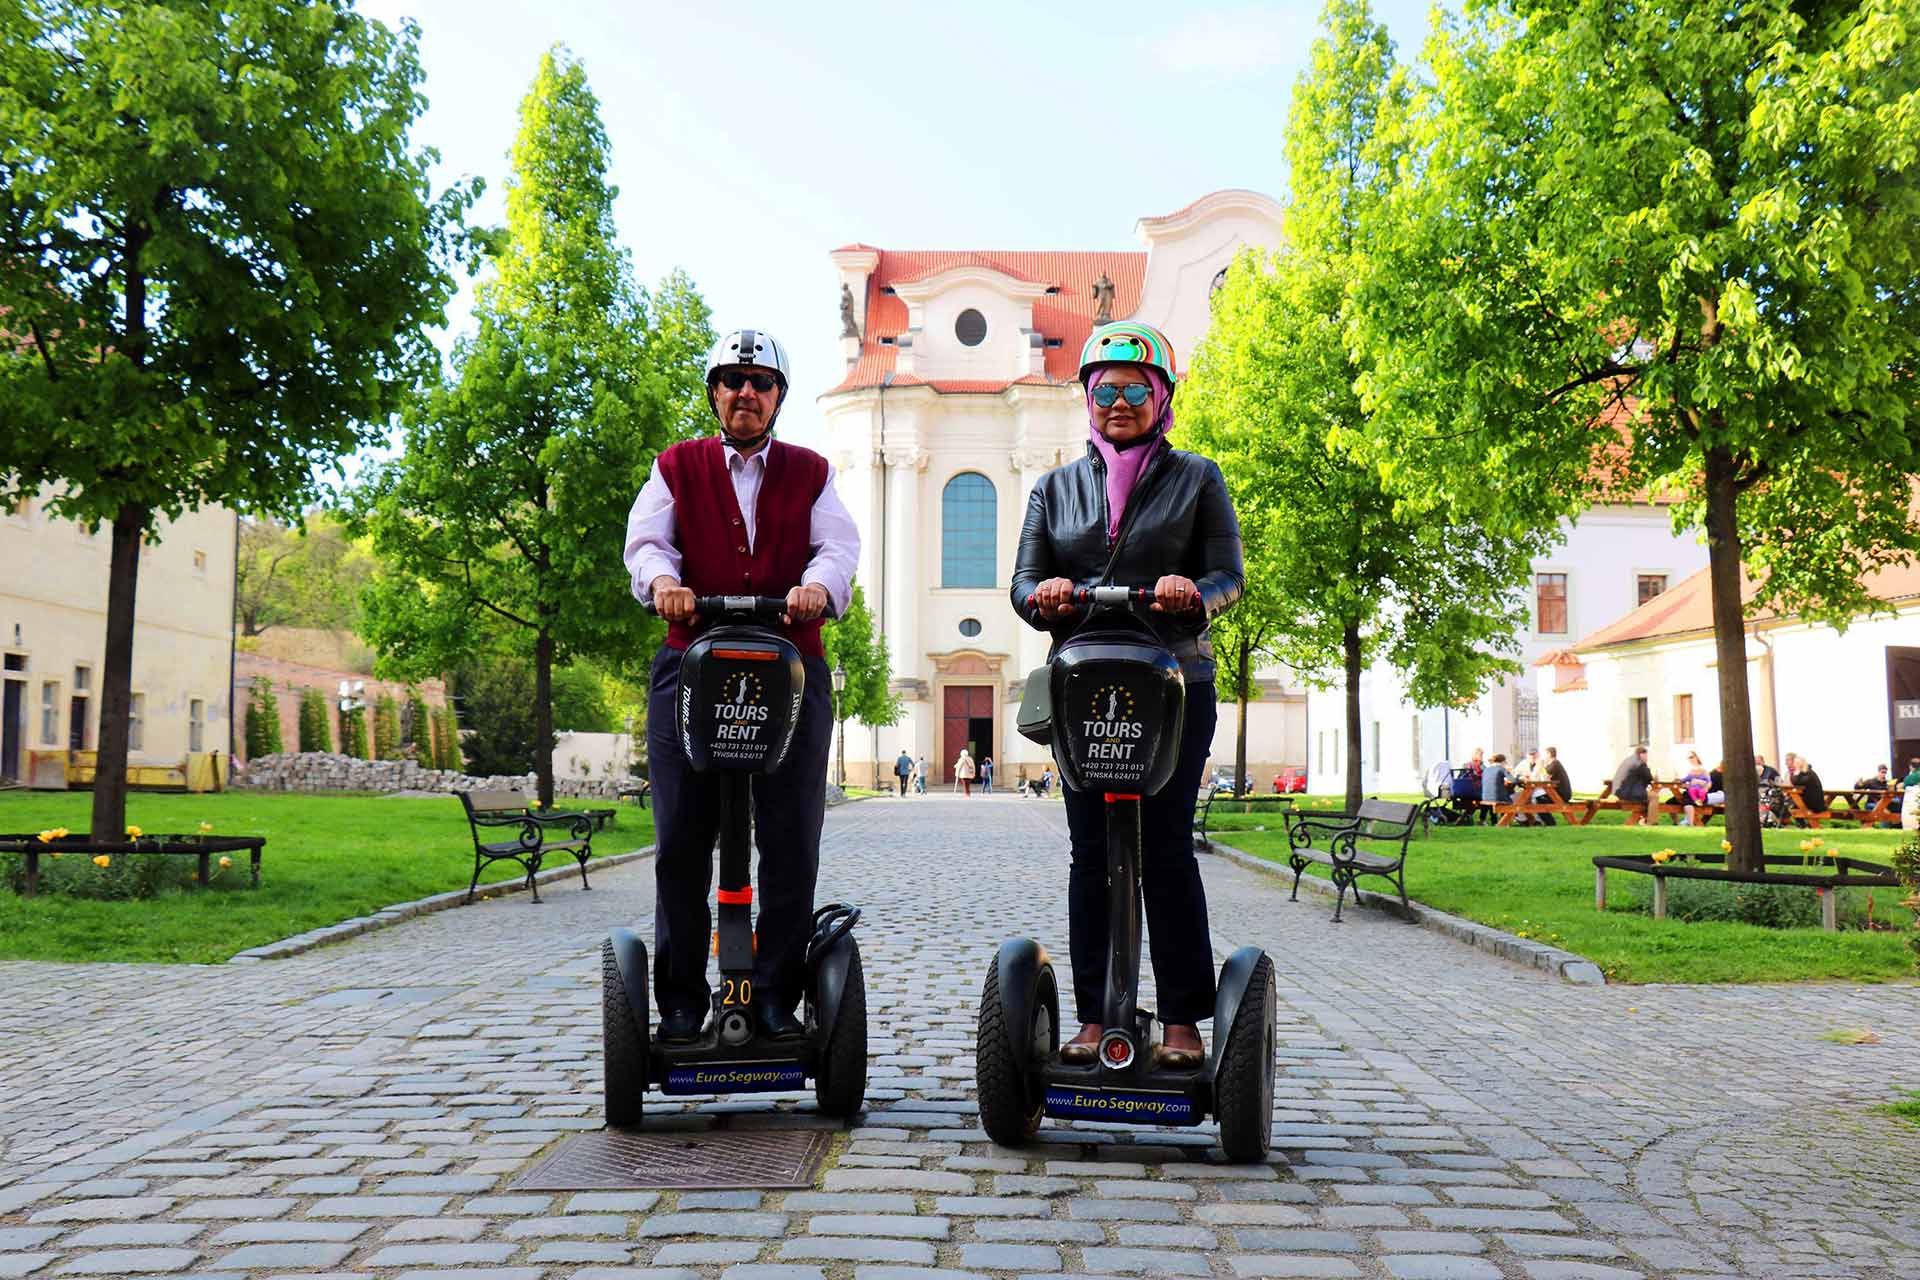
(399, 911)
(1564, 965)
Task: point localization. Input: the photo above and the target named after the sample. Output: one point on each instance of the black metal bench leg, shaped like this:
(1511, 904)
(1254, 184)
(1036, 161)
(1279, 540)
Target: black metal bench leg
(475, 882)
(533, 869)
(1339, 903)
(581, 858)
(1298, 868)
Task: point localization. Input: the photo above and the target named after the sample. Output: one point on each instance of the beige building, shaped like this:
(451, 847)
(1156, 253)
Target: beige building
(53, 634)
(961, 391)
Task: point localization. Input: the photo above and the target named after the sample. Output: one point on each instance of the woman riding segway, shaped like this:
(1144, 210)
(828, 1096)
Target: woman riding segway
(1135, 509)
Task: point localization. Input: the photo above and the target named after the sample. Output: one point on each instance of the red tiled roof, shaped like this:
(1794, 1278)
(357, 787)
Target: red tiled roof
(1066, 315)
(1687, 609)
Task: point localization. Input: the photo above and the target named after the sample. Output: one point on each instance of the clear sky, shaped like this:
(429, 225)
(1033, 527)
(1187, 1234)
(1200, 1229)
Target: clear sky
(750, 139)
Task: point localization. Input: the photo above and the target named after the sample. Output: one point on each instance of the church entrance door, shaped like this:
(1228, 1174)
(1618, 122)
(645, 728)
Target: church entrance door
(966, 720)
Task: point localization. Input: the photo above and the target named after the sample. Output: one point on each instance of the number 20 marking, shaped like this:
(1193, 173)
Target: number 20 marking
(738, 991)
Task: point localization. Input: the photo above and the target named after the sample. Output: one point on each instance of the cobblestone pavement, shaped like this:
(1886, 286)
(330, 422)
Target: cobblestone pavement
(360, 1110)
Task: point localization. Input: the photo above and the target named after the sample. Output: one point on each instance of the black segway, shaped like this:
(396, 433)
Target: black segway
(740, 690)
(1118, 700)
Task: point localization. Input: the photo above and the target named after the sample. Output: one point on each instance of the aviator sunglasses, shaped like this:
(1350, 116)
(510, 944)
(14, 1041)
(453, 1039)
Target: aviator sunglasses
(1136, 393)
(734, 379)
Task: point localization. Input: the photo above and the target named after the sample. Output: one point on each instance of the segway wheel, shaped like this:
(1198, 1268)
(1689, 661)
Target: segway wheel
(1012, 1097)
(840, 1082)
(623, 1041)
(1243, 1087)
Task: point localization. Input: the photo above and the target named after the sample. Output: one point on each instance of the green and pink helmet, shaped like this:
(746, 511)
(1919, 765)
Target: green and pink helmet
(1128, 342)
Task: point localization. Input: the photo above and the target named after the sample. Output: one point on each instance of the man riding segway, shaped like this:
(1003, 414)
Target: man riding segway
(739, 513)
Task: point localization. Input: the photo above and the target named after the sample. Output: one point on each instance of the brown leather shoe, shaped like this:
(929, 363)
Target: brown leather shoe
(1081, 1047)
(1181, 1049)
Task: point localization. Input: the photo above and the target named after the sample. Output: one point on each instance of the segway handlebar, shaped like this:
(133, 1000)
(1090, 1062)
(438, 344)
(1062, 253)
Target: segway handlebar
(766, 606)
(1107, 597)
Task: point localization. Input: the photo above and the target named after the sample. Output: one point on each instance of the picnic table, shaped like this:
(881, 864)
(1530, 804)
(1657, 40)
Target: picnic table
(1867, 806)
(1578, 813)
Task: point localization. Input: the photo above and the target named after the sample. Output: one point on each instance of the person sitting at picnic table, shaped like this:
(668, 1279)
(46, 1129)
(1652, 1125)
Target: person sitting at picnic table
(1695, 784)
(1768, 774)
(1813, 794)
(1633, 778)
(1878, 782)
(1717, 783)
(1554, 774)
(1496, 783)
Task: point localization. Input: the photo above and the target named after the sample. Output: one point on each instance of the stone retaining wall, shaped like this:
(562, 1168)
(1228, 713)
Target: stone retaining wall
(326, 771)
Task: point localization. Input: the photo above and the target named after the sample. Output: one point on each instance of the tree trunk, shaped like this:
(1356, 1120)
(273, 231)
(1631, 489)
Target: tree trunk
(1730, 653)
(1351, 643)
(543, 716)
(1241, 782)
(116, 679)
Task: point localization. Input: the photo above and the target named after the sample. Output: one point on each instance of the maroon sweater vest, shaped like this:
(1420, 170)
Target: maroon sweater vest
(714, 560)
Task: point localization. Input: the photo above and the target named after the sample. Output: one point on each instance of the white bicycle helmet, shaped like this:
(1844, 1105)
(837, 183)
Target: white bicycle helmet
(748, 347)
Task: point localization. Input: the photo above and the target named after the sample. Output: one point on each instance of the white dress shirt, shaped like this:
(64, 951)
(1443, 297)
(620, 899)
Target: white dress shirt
(652, 532)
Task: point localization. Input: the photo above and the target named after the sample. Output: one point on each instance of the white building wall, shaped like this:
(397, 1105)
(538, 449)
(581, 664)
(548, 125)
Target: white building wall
(1602, 554)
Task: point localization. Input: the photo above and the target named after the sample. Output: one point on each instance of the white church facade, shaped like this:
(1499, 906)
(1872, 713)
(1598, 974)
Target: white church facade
(960, 393)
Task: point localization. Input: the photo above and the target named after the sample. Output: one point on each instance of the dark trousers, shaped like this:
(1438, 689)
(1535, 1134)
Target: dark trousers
(1176, 901)
(789, 806)
(903, 782)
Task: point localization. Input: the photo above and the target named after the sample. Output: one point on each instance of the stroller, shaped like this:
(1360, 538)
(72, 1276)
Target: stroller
(1775, 809)
(1453, 806)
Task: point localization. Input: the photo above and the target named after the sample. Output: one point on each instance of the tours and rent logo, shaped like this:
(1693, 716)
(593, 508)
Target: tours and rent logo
(1112, 734)
(741, 713)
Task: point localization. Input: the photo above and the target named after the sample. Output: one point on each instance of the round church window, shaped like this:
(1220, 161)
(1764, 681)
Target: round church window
(969, 627)
(970, 328)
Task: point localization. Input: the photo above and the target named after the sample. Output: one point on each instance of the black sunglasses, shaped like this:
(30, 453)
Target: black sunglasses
(734, 379)
(1136, 393)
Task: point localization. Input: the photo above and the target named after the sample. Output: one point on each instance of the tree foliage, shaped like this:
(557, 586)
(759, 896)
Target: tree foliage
(852, 646)
(386, 727)
(263, 720)
(1672, 245)
(218, 256)
(353, 733)
(295, 576)
(506, 512)
(316, 724)
(1346, 573)
(496, 705)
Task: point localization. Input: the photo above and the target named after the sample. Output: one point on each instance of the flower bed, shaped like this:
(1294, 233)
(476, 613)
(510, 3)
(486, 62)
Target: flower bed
(1816, 868)
(30, 848)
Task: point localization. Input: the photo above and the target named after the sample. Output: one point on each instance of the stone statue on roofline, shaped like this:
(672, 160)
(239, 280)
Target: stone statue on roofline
(848, 328)
(1102, 299)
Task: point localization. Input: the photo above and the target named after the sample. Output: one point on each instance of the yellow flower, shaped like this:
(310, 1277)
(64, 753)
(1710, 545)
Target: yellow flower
(1661, 855)
(226, 861)
(101, 860)
(1806, 846)
(134, 832)
(1726, 846)
(1817, 842)
(535, 804)
(47, 836)
(205, 827)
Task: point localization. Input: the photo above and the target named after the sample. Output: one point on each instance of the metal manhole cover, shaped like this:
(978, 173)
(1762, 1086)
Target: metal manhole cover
(610, 1160)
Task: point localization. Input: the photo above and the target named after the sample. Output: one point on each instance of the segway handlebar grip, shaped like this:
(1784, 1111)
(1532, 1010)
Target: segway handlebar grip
(1114, 597)
(766, 606)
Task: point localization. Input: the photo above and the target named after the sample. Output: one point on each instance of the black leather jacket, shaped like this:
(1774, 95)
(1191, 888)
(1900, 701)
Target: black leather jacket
(1179, 520)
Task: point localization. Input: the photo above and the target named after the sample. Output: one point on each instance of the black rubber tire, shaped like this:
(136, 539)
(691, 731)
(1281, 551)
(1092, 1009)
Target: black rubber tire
(1006, 1073)
(1243, 1089)
(840, 1082)
(623, 1043)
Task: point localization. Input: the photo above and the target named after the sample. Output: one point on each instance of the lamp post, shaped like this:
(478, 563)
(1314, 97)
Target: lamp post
(840, 722)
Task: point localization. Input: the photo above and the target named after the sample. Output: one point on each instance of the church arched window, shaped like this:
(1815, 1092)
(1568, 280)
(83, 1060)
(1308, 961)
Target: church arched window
(967, 529)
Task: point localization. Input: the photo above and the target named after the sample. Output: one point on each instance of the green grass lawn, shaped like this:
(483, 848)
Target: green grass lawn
(1538, 882)
(328, 858)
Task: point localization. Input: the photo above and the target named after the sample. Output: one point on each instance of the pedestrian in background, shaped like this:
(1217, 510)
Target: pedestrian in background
(986, 776)
(963, 770)
(903, 769)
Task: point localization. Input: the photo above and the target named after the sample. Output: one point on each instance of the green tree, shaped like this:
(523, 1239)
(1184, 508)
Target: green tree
(447, 722)
(386, 727)
(580, 700)
(1674, 246)
(1346, 575)
(853, 646)
(353, 734)
(218, 256)
(1245, 638)
(263, 720)
(503, 733)
(316, 726)
(509, 504)
(416, 731)
(307, 576)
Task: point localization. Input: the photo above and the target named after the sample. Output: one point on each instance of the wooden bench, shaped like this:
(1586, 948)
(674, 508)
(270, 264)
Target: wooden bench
(1334, 840)
(637, 793)
(539, 835)
(1204, 812)
(203, 849)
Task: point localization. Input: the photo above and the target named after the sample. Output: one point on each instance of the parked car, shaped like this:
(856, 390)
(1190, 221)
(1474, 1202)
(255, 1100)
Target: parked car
(1223, 782)
(1291, 780)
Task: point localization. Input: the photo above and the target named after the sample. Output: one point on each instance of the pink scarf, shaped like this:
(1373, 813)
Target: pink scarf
(1124, 465)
